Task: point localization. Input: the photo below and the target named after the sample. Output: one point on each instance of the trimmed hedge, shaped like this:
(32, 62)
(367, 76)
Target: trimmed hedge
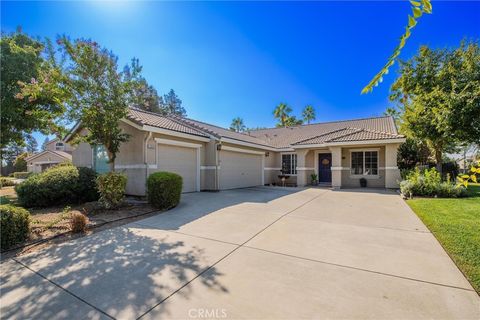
(58, 185)
(21, 175)
(15, 225)
(111, 187)
(164, 189)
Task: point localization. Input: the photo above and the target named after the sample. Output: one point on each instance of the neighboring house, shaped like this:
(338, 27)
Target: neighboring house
(56, 152)
(213, 158)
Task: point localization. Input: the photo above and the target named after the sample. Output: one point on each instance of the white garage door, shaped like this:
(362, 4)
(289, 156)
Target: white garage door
(240, 170)
(180, 160)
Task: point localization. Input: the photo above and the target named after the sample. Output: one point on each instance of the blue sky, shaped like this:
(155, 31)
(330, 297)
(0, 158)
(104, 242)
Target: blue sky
(228, 59)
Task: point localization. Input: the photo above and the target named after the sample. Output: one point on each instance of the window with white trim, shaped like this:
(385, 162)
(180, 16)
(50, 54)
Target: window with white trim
(289, 163)
(364, 163)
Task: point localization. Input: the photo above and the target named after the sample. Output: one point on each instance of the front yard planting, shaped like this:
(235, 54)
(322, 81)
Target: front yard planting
(456, 225)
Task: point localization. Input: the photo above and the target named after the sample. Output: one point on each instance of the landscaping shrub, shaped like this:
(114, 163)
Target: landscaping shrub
(15, 225)
(87, 185)
(78, 222)
(21, 175)
(111, 187)
(20, 165)
(164, 189)
(6, 182)
(429, 183)
(57, 185)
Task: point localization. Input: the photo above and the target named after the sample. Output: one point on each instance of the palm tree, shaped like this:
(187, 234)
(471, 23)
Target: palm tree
(308, 114)
(237, 125)
(281, 113)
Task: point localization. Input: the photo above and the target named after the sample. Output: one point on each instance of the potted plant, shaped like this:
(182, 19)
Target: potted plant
(314, 177)
(363, 182)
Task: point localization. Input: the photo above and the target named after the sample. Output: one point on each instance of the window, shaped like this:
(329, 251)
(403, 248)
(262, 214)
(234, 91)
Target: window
(364, 163)
(59, 146)
(289, 163)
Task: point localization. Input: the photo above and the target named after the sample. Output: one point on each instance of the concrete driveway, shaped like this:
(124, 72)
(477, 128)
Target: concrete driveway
(250, 253)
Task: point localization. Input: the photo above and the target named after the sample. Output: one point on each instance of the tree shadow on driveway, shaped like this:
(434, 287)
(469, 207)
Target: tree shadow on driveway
(123, 272)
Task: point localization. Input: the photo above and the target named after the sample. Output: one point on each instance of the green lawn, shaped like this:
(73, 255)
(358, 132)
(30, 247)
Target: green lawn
(456, 224)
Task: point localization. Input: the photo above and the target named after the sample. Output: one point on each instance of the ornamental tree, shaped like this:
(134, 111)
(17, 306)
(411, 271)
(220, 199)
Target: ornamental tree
(22, 62)
(438, 92)
(96, 92)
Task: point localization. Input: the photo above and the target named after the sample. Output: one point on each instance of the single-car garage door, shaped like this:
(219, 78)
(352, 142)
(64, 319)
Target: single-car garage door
(180, 160)
(240, 170)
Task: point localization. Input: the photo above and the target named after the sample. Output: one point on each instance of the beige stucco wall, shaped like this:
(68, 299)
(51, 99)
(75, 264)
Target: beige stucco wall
(272, 167)
(52, 146)
(82, 155)
(349, 181)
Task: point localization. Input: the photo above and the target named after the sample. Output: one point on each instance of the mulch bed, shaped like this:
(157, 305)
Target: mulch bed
(52, 225)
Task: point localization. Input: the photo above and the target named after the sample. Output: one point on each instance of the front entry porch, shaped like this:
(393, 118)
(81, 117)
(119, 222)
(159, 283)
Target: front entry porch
(343, 166)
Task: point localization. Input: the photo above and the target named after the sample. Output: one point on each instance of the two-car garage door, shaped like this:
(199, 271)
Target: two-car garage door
(240, 170)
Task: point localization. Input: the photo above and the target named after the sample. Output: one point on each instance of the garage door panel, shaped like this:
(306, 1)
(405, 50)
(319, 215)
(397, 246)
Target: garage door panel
(180, 160)
(240, 170)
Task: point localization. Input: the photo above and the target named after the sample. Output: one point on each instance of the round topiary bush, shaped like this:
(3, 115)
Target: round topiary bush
(58, 185)
(164, 189)
(15, 225)
(111, 187)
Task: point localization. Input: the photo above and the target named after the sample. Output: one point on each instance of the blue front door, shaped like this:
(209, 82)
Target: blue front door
(325, 167)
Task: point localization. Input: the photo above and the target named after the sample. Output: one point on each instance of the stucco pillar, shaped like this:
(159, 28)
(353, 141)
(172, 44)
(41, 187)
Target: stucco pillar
(392, 173)
(302, 179)
(336, 166)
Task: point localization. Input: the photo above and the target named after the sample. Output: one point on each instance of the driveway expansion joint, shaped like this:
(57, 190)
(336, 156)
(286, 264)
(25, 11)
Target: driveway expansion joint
(360, 269)
(230, 253)
(62, 288)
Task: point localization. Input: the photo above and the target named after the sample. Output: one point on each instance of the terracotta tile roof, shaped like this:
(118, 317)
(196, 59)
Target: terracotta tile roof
(286, 137)
(165, 122)
(380, 128)
(225, 133)
(349, 134)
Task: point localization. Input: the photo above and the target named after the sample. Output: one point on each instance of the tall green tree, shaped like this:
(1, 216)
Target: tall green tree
(308, 114)
(144, 96)
(8, 155)
(292, 121)
(237, 125)
(395, 114)
(44, 144)
(282, 112)
(438, 92)
(172, 104)
(32, 144)
(20, 164)
(22, 61)
(97, 93)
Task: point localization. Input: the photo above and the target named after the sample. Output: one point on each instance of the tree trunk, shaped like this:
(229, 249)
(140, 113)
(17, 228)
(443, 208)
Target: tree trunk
(111, 161)
(438, 159)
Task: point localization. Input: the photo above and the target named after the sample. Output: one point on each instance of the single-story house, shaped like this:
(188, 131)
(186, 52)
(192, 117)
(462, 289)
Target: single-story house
(209, 157)
(56, 152)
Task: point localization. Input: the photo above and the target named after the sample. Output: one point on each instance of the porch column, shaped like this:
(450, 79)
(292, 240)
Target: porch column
(336, 167)
(392, 173)
(302, 179)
